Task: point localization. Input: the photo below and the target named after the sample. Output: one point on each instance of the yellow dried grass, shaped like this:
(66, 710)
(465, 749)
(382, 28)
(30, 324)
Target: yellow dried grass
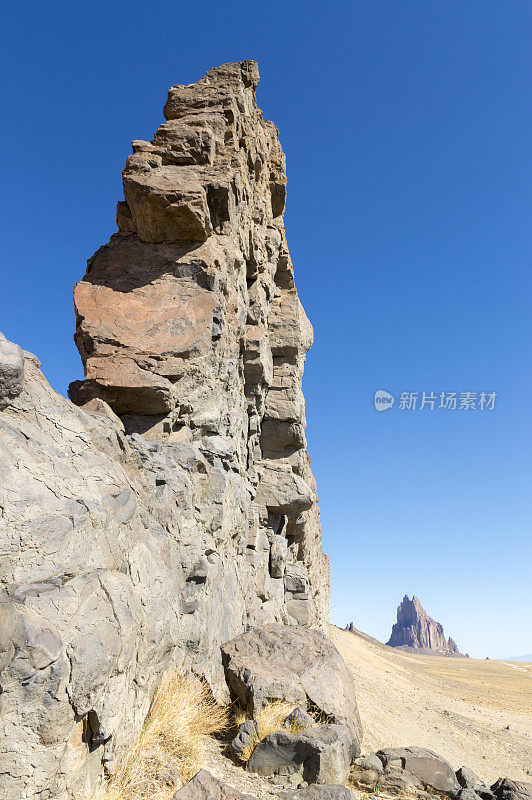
(269, 719)
(169, 750)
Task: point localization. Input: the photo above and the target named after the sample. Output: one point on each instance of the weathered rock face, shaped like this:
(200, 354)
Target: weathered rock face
(320, 755)
(287, 663)
(416, 631)
(506, 789)
(205, 786)
(318, 791)
(11, 371)
(175, 509)
(407, 772)
(428, 767)
(190, 327)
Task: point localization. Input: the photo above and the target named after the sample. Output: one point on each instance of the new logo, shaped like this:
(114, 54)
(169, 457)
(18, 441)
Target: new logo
(383, 400)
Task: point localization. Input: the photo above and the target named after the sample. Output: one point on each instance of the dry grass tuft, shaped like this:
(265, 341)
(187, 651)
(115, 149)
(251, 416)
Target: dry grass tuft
(238, 716)
(319, 716)
(170, 748)
(269, 719)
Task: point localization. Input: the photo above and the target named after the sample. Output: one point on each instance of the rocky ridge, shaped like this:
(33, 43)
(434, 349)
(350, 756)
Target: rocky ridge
(415, 631)
(173, 507)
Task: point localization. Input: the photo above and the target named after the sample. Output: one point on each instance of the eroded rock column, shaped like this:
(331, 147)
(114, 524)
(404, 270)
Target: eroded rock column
(189, 324)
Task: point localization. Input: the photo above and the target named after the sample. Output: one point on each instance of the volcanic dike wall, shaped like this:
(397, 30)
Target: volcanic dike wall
(173, 506)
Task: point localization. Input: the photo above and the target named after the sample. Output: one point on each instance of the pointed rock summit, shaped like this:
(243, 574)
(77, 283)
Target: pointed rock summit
(415, 631)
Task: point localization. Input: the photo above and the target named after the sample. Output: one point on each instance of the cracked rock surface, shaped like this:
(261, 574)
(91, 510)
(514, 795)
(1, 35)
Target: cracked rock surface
(173, 506)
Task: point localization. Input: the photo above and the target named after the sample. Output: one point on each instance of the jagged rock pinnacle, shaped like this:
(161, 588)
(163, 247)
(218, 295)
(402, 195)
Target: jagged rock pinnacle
(173, 507)
(416, 631)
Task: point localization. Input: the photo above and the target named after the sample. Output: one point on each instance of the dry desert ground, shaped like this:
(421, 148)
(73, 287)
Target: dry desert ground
(458, 707)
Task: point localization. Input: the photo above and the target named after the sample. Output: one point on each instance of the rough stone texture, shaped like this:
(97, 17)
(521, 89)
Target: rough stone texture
(506, 789)
(293, 664)
(299, 719)
(369, 761)
(205, 786)
(321, 755)
(470, 781)
(190, 327)
(366, 771)
(176, 508)
(248, 734)
(397, 781)
(416, 631)
(318, 792)
(467, 778)
(11, 371)
(428, 767)
(467, 794)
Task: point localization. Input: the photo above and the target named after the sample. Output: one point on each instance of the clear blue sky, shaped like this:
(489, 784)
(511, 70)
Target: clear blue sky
(407, 129)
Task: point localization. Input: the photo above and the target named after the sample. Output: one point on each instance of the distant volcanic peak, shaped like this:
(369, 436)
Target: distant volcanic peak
(415, 630)
(409, 611)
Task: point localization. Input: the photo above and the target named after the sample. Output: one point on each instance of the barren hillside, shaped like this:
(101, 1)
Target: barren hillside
(460, 708)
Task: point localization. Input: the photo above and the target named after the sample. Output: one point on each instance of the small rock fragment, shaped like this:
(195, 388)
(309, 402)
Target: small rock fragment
(247, 736)
(11, 370)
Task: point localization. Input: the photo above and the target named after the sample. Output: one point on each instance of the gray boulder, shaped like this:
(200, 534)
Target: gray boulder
(397, 781)
(468, 779)
(320, 755)
(248, 733)
(428, 767)
(302, 666)
(298, 719)
(468, 794)
(366, 772)
(318, 792)
(11, 369)
(205, 786)
(506, 789)
(369, 761)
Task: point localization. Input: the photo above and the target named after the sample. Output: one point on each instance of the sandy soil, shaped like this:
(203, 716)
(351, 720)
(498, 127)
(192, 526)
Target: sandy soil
(458, 707)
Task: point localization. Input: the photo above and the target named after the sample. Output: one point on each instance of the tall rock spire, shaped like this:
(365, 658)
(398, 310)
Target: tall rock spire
(188, 321)
(416, 631)
(175, 508)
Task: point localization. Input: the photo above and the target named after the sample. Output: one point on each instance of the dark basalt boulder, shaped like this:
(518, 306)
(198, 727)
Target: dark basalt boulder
(248, 733)
(301, 666)
(507, 789)
(320, 755)
(428, 767)
(205, 786)
(397, 781)
(467, 794)
(318, 792)
(472, 783)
